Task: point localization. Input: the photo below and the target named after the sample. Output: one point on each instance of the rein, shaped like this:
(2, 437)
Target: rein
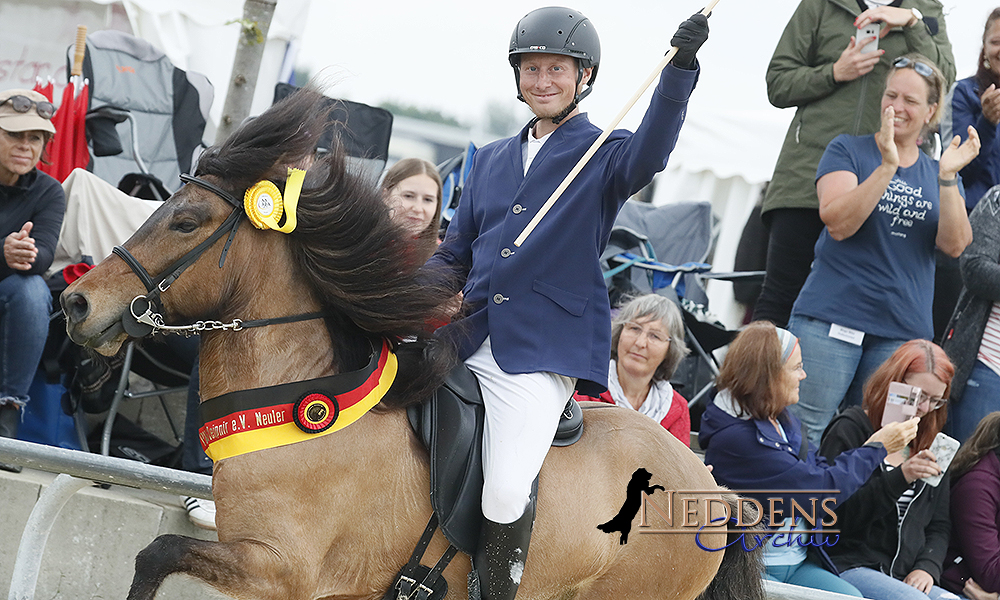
(144, 314)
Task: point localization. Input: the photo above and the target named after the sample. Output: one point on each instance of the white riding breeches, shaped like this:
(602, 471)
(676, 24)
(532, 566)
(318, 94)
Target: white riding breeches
(522, 413)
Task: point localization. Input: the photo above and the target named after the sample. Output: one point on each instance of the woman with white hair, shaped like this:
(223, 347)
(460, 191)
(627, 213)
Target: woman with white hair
(31, 213)
(647, 344)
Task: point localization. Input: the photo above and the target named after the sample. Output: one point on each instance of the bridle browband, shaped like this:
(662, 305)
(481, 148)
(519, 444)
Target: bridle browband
(144, 314)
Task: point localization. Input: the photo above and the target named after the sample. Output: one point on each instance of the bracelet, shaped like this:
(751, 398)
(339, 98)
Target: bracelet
(947, 182)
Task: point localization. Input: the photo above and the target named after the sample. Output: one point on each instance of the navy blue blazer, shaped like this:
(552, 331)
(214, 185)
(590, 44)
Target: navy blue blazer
(545, 305)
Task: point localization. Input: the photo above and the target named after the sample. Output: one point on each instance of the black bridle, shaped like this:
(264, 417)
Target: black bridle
(144, 314)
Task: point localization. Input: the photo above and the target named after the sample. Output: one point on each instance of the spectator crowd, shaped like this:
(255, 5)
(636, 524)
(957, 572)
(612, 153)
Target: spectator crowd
(882, 275)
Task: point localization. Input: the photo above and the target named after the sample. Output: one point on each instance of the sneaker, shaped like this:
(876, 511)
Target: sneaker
(200, 511)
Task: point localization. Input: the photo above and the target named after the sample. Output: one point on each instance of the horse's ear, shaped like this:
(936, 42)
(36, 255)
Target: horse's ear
(264, 204)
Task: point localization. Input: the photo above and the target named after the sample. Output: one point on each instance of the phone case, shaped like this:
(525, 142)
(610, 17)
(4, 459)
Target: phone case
(900, 403)
(944, 449)
(866, 32)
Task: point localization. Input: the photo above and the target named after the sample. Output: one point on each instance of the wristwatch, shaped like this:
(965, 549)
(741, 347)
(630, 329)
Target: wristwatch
(917, 17)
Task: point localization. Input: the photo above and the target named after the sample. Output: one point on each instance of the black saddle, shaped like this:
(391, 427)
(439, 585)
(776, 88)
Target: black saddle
(450, 425)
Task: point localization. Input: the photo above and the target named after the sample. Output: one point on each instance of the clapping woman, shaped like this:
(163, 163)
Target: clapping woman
(886, 206)
(976, 102)
(31, 212)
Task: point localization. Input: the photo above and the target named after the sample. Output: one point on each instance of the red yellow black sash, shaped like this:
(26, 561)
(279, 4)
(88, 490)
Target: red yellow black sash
(248, 420)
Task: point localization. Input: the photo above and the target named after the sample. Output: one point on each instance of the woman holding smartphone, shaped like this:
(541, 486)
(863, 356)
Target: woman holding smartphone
(894, 530)
(755, 444)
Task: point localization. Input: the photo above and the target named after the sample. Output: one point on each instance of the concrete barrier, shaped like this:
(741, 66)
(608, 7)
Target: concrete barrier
(94, 541)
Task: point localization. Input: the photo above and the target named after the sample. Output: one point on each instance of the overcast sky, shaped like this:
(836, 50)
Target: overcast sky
(451, 55)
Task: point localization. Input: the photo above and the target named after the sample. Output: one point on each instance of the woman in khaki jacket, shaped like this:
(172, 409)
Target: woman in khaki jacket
(820, 68)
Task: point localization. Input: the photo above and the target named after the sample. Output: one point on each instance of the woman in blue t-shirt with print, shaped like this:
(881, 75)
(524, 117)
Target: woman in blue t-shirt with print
(886, 205)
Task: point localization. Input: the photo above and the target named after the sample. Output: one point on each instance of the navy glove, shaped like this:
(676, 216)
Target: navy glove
(689, 37)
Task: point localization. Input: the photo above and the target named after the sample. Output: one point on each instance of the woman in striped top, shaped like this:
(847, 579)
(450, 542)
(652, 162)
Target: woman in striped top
(972, 339)
(894, 530)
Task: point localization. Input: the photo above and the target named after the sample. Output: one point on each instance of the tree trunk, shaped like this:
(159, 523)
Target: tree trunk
(254, 26)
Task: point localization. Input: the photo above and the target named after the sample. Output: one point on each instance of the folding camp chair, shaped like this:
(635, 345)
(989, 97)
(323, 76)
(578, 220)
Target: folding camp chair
(362, 130)
(155, 117)
(143, 113)
(454, 172)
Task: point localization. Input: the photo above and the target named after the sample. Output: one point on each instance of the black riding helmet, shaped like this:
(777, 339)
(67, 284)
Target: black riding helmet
(557, 30)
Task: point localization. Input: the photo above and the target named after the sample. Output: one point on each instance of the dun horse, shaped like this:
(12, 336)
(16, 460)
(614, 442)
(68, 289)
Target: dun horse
(337, 515)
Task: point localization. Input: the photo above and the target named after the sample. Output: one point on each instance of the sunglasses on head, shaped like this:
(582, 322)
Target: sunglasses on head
(921, 68)
(23, 104)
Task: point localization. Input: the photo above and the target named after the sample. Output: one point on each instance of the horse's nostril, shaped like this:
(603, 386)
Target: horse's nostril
(75, 306)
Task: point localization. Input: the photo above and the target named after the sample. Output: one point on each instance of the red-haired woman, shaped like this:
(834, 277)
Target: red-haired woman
(894, 530)
(754, 443)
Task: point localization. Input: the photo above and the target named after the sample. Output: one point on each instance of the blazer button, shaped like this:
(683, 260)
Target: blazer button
(499, 298)
(517, 209)
(506, 252)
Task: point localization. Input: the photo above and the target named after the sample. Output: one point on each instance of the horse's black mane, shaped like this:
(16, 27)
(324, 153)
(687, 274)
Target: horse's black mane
(356, 259)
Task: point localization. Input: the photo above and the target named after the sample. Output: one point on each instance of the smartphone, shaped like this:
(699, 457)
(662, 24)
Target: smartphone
(944, 449)
(864, 33)
(900, 403)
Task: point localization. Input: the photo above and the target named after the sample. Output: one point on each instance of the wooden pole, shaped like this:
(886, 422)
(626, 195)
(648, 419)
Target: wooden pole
(246, 66)
(79, 50)
(600, 140)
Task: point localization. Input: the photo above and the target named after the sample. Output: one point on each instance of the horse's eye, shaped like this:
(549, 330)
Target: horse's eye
(185, 226)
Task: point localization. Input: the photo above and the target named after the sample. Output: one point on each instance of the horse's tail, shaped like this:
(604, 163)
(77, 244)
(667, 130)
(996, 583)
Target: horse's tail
(740, 574)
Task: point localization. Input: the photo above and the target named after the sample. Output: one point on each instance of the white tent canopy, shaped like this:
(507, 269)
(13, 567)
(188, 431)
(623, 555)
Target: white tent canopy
(198, 36)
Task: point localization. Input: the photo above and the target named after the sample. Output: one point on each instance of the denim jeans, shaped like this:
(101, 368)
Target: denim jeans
(981, 397)
(836, 371)
(874, 584)
(810, 575)
(25, 302)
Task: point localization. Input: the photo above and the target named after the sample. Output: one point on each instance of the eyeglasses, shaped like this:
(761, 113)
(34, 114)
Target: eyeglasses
(921, 68)
(23, 104)
(635, 330)
(934, 403)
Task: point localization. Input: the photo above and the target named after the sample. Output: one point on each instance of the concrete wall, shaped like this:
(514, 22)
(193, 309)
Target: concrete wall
(92, 547)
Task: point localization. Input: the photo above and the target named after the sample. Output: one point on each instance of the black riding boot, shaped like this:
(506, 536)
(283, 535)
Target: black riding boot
(500, 558)
(10, 418)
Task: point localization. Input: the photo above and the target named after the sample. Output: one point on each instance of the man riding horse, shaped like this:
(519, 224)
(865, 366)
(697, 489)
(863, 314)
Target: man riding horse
(536, 318)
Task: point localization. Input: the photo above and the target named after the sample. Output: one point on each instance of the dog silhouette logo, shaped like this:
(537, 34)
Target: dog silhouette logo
(622, 522)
